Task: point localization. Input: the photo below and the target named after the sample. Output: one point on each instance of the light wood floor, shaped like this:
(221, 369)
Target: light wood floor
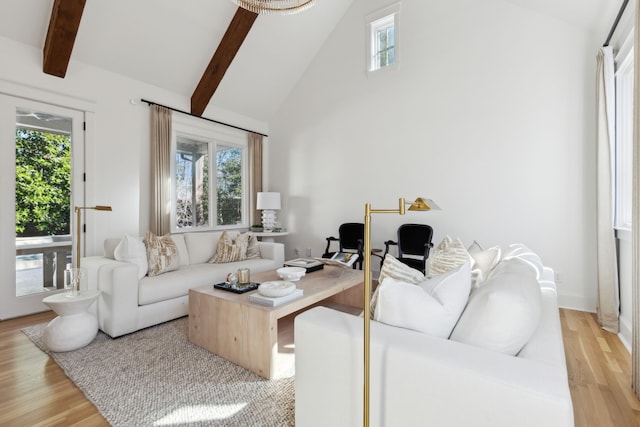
(35, 392)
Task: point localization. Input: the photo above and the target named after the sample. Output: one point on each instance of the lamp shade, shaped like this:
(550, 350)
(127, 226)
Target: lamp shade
(268, 200)
(422, 204)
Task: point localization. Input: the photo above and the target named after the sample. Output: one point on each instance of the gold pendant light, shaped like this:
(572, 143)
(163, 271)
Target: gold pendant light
(275, 7)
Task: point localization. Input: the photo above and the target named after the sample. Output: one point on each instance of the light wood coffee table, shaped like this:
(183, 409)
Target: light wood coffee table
(247, 333)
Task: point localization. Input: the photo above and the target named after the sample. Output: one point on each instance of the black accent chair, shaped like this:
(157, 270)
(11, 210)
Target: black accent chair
(414, 244)
(350, 239)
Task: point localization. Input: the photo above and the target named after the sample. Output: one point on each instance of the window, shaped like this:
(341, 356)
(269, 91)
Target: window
(206, 159)
(624, 142)
(382, 38)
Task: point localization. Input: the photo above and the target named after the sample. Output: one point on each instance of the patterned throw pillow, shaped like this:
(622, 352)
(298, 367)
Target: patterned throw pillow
(162, 254)
(252, 247)
(448, 255)
(230, 250)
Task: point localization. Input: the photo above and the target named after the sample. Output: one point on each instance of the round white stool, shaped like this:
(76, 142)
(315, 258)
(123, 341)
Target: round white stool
(74, 327)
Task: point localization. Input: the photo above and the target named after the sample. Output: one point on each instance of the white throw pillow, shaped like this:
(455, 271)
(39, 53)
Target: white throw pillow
(183, 254)
(132, 250)
(398, 270)
(432, 306)
(484, 261)
(518, 250)
(448, 255)
(504, 313)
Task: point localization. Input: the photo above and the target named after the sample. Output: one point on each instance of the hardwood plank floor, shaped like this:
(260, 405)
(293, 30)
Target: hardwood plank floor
(599, 368)
(34, 391)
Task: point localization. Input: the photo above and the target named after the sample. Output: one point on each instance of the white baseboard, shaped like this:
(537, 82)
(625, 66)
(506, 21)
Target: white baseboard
(577, 302)
(625, 334)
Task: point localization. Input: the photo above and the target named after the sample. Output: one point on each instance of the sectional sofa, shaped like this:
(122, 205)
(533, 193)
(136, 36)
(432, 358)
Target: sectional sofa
(130, 300)
(419, 378)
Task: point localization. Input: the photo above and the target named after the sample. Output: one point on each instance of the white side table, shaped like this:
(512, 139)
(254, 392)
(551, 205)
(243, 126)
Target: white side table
(268, 236)
(74, 327)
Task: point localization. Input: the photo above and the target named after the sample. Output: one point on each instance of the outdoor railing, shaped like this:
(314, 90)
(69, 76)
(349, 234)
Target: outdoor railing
(54, 250)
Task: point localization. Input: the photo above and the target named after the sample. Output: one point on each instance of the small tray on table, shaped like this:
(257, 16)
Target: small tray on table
(237, 289)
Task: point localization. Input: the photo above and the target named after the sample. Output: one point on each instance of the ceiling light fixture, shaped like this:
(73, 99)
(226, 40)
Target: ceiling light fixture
(275, 7)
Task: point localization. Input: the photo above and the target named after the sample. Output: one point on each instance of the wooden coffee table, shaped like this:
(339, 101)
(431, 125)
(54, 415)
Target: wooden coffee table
(247, 333)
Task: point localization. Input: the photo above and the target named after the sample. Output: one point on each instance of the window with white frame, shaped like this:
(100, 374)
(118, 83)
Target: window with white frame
(382, 38)
(624, 142)
(209, 178)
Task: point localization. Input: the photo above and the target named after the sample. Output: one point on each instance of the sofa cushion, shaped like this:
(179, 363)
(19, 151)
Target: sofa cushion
(253, 251)
(183, 254)
(175, 284)
(504, 312)
(132, 250)
(201, 245)
(432, 306)
(230, 250)
(162, 254)
(448, 255)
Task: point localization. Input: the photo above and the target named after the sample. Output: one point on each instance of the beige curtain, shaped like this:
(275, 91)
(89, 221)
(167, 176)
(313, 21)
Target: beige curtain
(608, 301)
(255, 172)
(635, 227)
(160, 170)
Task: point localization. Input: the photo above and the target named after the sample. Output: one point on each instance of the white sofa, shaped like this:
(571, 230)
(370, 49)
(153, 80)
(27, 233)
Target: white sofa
(127, 303)
(419, 379)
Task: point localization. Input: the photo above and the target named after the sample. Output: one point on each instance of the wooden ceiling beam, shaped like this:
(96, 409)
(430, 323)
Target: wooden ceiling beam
(227, 49)
(61, 35)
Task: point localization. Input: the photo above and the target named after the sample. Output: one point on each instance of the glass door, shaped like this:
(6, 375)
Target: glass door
(43, 159)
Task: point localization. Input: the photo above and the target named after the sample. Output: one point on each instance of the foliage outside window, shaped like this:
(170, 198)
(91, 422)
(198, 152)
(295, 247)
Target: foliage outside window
(195, 205)
(43, 185)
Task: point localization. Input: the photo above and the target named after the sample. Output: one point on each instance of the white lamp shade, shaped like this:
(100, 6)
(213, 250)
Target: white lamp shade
(268, 200)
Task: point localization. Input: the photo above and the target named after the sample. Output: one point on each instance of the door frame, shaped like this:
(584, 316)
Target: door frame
(11, 305)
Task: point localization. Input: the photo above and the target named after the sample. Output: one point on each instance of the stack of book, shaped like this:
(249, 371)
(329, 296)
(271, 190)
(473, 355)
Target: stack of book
(274, 301)
(306, 263)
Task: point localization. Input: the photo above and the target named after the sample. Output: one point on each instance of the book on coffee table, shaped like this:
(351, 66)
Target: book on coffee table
(274, 301)
(340, 259)
(306, 263)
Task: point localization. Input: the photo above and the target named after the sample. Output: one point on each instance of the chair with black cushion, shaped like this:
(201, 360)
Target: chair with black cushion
(350, 239)
(414, 244)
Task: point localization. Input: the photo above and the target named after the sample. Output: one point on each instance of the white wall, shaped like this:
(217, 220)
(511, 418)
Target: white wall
(118, 145)
(490, 114)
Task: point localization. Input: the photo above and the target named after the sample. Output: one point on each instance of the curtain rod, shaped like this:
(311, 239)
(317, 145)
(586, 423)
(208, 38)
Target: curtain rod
(615, 23)
(203, 118)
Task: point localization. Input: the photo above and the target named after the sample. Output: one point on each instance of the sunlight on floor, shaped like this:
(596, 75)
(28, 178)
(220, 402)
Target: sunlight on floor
(198, 413)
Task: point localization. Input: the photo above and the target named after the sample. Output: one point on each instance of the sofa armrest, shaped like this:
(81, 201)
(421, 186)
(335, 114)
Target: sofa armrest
(273, 251)
(417, 379)
(118, 285)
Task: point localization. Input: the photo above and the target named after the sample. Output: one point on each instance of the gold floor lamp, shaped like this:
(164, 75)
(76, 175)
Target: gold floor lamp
(78, 210)
(420, 204)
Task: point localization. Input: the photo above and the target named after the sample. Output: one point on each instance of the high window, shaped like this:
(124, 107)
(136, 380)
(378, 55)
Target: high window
(382, 38)
(209, 173)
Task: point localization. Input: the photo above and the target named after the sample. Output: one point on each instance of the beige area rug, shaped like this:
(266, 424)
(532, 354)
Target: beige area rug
(156, 377)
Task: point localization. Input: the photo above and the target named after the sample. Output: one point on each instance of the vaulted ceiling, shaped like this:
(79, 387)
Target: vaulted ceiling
(173, 44)
(189, 46)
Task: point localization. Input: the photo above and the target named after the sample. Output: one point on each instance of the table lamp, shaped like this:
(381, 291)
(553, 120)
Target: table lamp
(268, 202)
(420, 204)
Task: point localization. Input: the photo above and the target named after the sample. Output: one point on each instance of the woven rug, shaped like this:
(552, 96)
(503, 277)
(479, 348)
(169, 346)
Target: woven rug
(156, 377)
